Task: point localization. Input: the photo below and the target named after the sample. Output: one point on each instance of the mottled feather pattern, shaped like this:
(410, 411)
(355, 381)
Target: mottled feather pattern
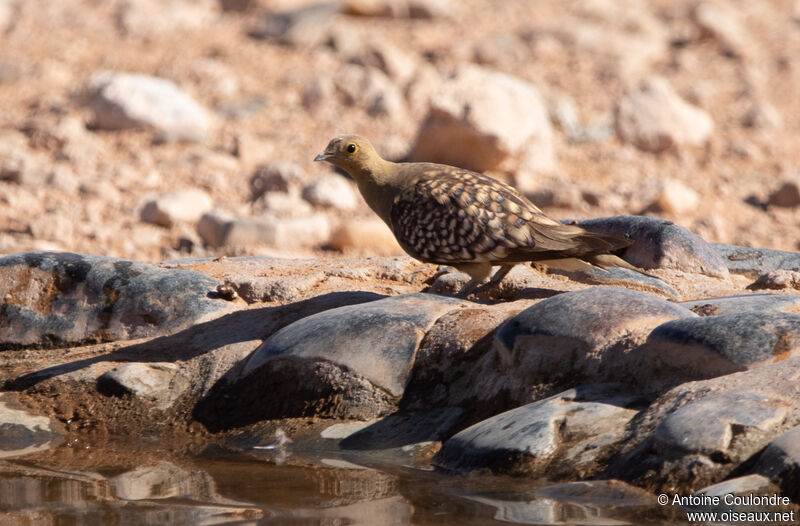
(450, 215)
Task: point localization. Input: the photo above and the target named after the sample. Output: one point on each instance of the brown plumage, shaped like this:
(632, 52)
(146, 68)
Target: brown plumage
(447, 215)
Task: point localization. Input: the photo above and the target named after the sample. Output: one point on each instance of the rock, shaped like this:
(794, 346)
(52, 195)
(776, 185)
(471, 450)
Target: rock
(63, 178)
(21, 432)
(709, 346)
(355, 360)
(9, 10)
(698, 433)
(721, 22)
(154, 18)
(158, 383)
(56, 298)
(182, 206)
(746, 485)
(564, 112)
(576, 428)
(422, 87)
(479, 118)
(238, 6)
(454, 354)
(781, 462)
(661, 244)
(305, 27)
(404, 429)
(597, 502)
(654, 118)
(762, 115)
(423, 9)
(787, 195)
(401, 316)
(18, 164)
(777, 280)
(282, 205)
(754, 262)
(160, 480)
(369, 88)
(370, 236)
(215, 76)
(218, 229)
(397, 64)
(676, 198)
(316, 91)
(280, 176)
(743, 303)
(708, 426)
(624, 278)
(585, 334)
(126, 100)
(332, 191)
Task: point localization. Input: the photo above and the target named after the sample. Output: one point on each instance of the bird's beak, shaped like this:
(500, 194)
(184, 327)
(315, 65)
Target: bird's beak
(321, 157)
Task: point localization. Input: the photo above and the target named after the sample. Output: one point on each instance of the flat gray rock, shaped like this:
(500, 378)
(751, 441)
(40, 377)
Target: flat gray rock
(583, 332)
(781, 462)
(622, 277)
(530, 439)
(22, 432)
(659, 243)
(756, 261)
(743, 303)
(746, 485)
(716, 345)
(58, 298)
(377, 340)
(708, 426)
(347, 362)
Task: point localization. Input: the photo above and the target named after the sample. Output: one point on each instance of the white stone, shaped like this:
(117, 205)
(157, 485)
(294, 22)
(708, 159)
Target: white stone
(183, 205)
(654, 118)
(722, 22)
(223, 229)
(8, 13)
(150, 18)
(369, 88)
(282, 204)
(676, 198)
(128, 100)
(481, 117)
(333, 191)
(370, 236)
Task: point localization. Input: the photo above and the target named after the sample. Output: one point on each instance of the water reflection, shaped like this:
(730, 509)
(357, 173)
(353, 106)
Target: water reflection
(143, 485)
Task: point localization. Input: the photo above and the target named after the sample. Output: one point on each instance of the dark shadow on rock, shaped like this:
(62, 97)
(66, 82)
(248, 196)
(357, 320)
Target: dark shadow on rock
(278, 389)
(239, 326)
(402, 429)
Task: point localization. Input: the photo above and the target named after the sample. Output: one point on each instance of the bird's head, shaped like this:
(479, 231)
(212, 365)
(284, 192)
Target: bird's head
(353, 154)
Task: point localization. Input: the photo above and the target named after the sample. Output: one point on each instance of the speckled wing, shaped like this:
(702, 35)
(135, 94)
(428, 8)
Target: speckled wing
(451, 216)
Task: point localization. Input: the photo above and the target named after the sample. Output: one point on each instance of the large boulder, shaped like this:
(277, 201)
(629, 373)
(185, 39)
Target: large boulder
(122, 101)
(59, 298)
(481, 117)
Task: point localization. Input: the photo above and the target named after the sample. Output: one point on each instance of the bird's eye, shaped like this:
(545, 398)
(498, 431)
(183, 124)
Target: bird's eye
(351, 148)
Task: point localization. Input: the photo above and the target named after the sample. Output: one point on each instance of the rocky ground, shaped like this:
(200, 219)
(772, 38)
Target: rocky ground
(189, 128)
(174, 142)
(671, 381)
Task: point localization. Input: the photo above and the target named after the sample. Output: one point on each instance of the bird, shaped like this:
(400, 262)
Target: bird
(468, 220)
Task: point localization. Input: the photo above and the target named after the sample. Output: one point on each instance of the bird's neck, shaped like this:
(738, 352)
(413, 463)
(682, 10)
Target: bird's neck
(379, 185)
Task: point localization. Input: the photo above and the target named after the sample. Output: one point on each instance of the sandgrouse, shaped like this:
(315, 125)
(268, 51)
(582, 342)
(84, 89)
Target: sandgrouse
(451, 216)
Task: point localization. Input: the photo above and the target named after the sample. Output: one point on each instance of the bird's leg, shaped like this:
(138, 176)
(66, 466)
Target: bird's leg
(478, 272)
(498, 276)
